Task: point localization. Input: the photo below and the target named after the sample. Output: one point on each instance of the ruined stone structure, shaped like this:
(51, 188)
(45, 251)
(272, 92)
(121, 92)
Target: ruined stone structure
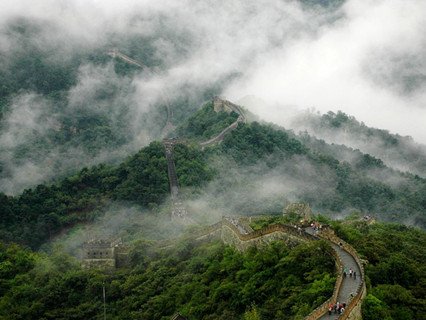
(104, 254)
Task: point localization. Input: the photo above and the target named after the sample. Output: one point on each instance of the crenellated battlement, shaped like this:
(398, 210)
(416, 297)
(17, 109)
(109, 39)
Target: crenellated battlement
(104, 253)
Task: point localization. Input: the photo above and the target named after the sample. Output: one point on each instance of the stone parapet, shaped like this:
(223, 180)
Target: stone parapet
(353, 310)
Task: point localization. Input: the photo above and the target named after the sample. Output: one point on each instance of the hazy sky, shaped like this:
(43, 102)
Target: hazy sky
(367, 58)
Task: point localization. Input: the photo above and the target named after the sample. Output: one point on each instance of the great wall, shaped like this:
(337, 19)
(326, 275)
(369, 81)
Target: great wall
(233, 231)
(236, 232)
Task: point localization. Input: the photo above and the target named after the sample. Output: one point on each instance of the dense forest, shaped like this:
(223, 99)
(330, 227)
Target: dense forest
(61, 120)
(212, 281)
(251, 153)
(202, 281)
(38, 214)
(396, 268)
(206, 123)
(81, 158)
(367, 185)
(397, 151)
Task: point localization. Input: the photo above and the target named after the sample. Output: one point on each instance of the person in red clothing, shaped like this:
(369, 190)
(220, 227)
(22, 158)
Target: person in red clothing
(330, 308)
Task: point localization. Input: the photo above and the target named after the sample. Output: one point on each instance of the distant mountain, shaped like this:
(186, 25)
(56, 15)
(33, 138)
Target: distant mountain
(257, 168)
(399, 152)
(65, 107)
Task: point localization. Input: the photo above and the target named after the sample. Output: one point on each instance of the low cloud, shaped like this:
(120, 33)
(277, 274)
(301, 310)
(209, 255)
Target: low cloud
(364, 58)
(369, 63)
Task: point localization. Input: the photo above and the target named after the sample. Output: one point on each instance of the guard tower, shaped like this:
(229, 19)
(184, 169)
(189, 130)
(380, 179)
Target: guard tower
(104, 254)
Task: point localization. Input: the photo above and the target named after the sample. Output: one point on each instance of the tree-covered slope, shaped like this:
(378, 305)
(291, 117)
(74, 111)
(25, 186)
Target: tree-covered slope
(212, 281)
(397, 151)
(257, 168)
(395, 271)
(264, 167)
(38, 214)
(206, 123)
(65, 104)
(202, 281)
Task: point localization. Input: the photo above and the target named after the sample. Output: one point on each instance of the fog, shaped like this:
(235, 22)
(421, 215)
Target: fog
(260, 189)
(366, 58)
(370, 63)
(117, 221)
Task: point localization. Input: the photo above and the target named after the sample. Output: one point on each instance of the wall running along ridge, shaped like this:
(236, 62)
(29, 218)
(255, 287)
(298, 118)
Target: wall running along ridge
(230, 233)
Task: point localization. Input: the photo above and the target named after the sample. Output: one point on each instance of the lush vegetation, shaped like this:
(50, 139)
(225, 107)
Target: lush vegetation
(212, 281)
(206, 123)
(68, 105)
(208, 281)
(252, 142)
(396, 268)
(397, 151)
(324, 181)
(256, 150)
(40, 213)
(71, 122)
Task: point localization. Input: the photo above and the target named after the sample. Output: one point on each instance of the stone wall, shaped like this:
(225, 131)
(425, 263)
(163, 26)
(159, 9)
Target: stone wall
(221, 105)
(105, 254)
(290, 236)
(105, 264)
(322, 309)
(354, 307)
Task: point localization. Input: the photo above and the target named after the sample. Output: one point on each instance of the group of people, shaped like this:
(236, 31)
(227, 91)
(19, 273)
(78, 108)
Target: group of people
(316, 226)
(352, 273)
(337, 308)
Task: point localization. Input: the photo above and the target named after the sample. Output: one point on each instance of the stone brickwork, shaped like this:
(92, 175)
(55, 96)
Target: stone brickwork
(290, 235)
(178, 209)
(227, 106)
(221, 105)
(236, 232)
(104, 254)
(353, 310)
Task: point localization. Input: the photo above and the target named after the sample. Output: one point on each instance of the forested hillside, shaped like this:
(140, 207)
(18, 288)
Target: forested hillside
(256, 169)
(395, 271)
(38, 214)
(396, 151)
(205, 123)
(268, 166)
(212, 281)
(65, 107)
(207, 281)
(131, 188)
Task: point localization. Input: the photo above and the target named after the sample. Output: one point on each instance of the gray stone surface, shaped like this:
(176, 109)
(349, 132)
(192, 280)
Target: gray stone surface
(350, 285)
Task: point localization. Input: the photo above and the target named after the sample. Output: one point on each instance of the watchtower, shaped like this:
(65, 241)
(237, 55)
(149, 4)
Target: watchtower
(103, 253)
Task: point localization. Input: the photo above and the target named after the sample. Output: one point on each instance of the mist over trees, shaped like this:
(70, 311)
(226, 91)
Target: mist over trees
(81, 153)
(38, 214)
(396, 151)
(256, 169)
